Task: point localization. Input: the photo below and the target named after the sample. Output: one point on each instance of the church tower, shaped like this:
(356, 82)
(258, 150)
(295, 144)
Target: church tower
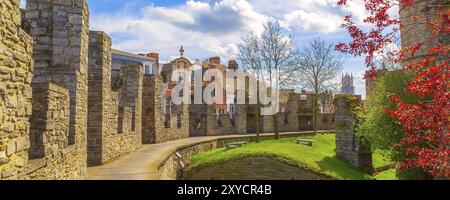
(347, 84)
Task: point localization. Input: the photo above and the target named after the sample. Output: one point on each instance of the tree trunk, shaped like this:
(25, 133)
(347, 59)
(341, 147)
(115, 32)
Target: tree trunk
(258, 125)
(315, 113)
(275, 126)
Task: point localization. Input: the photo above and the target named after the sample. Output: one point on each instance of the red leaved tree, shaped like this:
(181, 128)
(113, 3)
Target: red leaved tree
(423, 28)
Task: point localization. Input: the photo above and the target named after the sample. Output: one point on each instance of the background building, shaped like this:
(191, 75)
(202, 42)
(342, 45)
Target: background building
(347, 84)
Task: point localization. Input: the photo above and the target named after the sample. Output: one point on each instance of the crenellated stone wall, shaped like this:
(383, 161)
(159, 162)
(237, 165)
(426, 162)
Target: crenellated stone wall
(288, 117)
(51, 156)
(348, 145)
(114, 125)
(155, 129)
(203, 120)
(149, 110)
(49, 121)
(128, 102)
(99, 95)
(16, 72)
(60, 32)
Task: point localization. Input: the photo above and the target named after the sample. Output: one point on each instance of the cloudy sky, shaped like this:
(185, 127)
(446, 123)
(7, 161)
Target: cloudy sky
(214, 27)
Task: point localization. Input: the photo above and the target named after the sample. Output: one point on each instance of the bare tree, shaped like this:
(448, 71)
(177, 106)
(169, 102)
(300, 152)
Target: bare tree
(274, 56)
(249, 55)
(319, 64)
(280, 59)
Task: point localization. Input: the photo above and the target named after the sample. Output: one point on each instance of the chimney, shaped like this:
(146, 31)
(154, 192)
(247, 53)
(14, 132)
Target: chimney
(154, 56)
(232, 64)
(214, 60)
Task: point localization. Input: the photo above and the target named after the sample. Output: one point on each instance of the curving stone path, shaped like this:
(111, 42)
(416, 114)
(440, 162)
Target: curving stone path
(143, 164)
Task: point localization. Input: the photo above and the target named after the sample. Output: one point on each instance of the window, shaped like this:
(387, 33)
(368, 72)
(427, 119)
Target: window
(198, 125)
(147, 69)
(232, 109)
(167, 120)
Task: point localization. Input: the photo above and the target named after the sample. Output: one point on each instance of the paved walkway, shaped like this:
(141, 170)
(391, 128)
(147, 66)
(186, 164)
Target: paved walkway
(143, 163)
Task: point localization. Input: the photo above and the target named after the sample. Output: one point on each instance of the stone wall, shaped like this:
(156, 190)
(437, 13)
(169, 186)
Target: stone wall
(197, 120)
(51, 155)
(170, 169)
(130, 100)
(60, 32)
(16, 71)
(49, 121)
(204, 121)
(326, 121)
(348, 145)
(155, 130)
(416, 29)
(114, 128)
(99, 87)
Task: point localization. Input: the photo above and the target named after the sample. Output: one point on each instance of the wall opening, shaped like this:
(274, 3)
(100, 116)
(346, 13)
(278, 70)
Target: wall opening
(133, 119)
(120, 120)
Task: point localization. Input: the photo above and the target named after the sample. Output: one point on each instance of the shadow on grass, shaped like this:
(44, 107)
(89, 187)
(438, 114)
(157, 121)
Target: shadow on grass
(342, 169)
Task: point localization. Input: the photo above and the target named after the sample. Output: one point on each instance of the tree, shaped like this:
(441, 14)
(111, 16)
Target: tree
(274, 55)
(423, 27)
(319, 64)
(250, 57)
(378, 128)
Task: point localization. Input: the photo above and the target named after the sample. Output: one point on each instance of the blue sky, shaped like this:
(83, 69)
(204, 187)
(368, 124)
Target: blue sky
(213, 27)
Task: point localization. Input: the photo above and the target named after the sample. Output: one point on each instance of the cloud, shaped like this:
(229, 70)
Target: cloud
(312, 21)
(215, 27)
(322, 16)
(205, 29)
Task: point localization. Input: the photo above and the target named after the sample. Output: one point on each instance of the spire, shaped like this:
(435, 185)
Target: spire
(181, 51)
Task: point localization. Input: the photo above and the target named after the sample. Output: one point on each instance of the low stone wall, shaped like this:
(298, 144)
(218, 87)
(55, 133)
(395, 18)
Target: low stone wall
(171, 169)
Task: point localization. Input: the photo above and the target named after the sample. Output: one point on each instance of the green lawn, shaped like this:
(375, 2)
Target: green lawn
(387, 175)
(319, 158)
(379, 159)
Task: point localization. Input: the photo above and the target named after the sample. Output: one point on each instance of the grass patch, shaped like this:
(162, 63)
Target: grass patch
(320, 158)
(390, 174)
(380, 159)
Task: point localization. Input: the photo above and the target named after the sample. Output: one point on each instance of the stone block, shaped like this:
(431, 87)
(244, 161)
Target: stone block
(20, 162)
(10, 148)
(22, 144)
(7, 174)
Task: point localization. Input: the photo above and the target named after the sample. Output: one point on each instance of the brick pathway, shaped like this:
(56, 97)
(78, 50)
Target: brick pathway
(143, 163)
